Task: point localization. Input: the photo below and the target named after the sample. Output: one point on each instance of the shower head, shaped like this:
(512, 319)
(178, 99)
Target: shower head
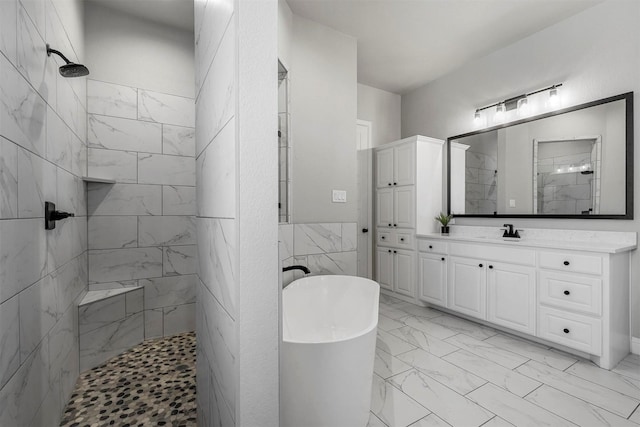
(69, 69)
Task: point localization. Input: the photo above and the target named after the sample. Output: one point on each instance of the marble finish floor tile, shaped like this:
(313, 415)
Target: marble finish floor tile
(598, 395)
(575, 410)
(151, 384)
(533, 351)
(513, 381)
(393, 407)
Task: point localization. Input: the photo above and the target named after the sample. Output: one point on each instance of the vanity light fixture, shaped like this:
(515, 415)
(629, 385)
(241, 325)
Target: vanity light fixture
(521, 102)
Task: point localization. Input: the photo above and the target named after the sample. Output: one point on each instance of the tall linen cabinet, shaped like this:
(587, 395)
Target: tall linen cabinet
(408, 179)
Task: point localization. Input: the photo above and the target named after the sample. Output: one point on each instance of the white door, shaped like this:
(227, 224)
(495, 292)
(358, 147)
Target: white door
(432, 278)
(384, 168)
(403, 271)
(468, 280)
(365, 199)
(404, 210)
(512, 296)
(384, 207)
(384, 267)
(404, 164)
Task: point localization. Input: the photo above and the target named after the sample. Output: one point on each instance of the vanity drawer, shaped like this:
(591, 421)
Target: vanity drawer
(499, 253)
(570, 261)
(396, 238)
(434, 246)
(404, 239)
(384, 237)
(572, 292)
(572, 330)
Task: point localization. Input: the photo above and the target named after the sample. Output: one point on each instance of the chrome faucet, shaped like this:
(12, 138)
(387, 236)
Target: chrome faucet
(510, 232)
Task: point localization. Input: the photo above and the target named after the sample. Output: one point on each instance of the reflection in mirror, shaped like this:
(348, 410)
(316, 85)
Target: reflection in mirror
(284, 145)
(575, 162)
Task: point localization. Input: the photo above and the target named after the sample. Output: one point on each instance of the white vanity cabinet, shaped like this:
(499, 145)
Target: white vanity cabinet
(394, 268)
(408, 197)
(432, 272)
(577, 299)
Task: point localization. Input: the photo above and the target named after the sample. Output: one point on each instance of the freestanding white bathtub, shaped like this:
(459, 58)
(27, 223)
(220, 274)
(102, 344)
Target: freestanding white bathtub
(329, 337)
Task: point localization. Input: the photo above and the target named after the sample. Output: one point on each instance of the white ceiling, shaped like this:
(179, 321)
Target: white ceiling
(404, 44)
(175, 13)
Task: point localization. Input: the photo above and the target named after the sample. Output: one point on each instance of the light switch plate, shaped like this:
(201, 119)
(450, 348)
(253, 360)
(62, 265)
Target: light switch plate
(339, 196)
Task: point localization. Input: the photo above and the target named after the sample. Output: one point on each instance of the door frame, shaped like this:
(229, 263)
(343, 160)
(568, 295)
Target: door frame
(365, 210)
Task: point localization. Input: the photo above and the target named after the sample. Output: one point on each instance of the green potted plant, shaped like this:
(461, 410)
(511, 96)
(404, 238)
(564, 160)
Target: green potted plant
(444, 221)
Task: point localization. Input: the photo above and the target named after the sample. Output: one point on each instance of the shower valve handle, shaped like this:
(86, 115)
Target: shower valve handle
(51, 215)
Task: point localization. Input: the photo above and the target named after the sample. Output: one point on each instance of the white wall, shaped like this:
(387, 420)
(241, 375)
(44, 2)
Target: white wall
(135, 52)
(595, 54)
(382, 108)
(323, 74)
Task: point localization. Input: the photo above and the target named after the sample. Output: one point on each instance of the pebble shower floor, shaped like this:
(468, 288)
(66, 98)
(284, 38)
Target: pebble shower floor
(152, 384)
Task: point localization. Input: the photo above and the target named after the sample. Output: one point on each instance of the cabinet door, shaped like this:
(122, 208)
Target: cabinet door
(432, 278)
(403, 271)
(467, 286)
(404, 207)
(404, 164)
(384, 168)
(512, 296)
(384, 267)
(384, 207)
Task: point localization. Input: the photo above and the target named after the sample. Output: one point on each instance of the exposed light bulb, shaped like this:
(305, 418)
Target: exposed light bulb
(554, 98)
(499, 113)
(523, 106)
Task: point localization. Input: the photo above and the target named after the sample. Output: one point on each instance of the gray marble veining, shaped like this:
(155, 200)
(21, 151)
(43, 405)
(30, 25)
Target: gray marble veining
(165, 169)
(124, 264)
(100, 313)
(166, 230)
(178, 200)
(177, 260)
(113, 232)
(124, 134)
(9, 339)
(8, 179)
(110, 99)
(178, 140)
(216, 102)
(121, 166)
(215, 17)
(164, 108)
(217, 259)
(38, 314)
(180, 318)
(216, 171)
(9, 29)
(37, 184)
(317, 238)
(124, 199)
(169, 291)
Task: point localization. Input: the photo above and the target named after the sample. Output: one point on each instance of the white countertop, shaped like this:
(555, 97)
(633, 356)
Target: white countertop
(568, 244)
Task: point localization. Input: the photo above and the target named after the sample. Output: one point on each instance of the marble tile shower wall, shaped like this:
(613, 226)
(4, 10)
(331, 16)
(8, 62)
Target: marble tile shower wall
(43, 274)
(216, 352)
(325, 248)
(141, 230)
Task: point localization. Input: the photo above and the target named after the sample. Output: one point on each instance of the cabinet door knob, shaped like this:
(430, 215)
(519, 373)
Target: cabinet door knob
(430, 246)
(395, 225)
(365, 230)
(382, 237)
(491, 266)
(389, 184)
(565, 330)
(389, 225)
(567, 292)
(389, 250)
(395, 252)
(479, 265)
(395, 183)
(442, 258)
(566, 263)
(402, 239)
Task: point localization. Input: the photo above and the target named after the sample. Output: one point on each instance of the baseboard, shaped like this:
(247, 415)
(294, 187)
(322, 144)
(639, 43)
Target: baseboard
(635, 345)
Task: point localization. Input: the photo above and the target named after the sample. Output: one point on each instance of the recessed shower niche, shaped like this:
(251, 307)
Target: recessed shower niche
(284, 146)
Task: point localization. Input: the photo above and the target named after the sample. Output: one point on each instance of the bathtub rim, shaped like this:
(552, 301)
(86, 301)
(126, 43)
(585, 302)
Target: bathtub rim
(360, 333)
